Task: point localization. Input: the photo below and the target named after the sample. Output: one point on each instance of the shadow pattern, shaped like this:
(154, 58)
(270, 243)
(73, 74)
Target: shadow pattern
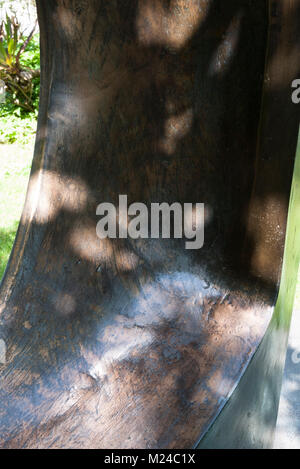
(138, 343)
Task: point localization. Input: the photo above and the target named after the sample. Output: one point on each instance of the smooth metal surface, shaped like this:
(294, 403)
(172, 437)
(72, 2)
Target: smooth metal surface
(139, 343)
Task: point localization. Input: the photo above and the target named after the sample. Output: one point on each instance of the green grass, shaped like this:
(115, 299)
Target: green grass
(15, 163)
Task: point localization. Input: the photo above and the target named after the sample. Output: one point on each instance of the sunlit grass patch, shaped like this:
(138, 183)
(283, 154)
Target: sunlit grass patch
(7, 237)
(15, 163)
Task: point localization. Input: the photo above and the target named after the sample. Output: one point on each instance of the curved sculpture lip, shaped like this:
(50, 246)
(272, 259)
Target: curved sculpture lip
(139, 343)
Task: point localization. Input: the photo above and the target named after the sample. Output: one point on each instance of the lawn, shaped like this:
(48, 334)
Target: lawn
(15, 163)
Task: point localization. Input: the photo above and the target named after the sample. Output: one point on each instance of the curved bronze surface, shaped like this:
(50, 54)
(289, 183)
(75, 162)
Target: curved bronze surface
(138, 343)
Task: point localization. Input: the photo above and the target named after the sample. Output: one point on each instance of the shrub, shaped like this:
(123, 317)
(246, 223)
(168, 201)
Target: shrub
(19, 67)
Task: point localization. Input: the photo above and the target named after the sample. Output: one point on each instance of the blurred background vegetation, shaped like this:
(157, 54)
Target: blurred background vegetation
(19, 71)
(20, 79)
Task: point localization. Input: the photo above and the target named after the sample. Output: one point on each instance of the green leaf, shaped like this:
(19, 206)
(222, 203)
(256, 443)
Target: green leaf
(10, 46)
(2, 52)
(16, 38)
(8, 27)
